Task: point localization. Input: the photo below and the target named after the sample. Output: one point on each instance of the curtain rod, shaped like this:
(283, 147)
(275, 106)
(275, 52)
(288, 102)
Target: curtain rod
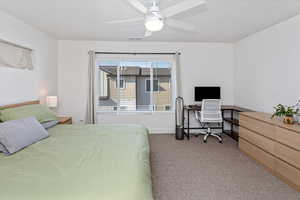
(16, 45)
(137, 53)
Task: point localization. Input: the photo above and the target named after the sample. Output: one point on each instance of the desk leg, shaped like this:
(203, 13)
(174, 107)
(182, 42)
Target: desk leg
(223, 121)
(231, 123)
(188, 128)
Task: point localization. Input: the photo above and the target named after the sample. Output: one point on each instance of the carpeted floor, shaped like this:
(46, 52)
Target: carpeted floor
(192, 170)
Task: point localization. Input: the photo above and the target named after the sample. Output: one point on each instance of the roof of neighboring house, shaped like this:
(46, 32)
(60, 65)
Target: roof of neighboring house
(156, 71)
(136, 71)
(130, 70)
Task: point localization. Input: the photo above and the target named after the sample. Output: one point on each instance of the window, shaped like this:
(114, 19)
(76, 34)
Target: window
(144, 85)
(155, 86)
(122, 83)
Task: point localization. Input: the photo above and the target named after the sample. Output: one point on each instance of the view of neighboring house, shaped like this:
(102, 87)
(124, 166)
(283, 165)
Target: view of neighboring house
(134, 90)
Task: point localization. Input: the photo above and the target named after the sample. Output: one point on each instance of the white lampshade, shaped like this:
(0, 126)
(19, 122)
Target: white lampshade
(154, 24)
(51, 101)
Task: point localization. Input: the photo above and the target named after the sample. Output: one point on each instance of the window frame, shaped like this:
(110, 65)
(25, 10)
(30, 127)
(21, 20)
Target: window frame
(124, 83)
(153, 59)
(155, 79)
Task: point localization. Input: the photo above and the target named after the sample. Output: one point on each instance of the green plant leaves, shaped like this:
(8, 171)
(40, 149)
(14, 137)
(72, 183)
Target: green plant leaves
(282, 111)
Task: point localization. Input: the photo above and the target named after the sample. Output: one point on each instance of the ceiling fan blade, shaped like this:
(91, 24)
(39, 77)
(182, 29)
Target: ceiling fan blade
(138, 5)
(147, 33)
(125, 20)
(177, 24)
(181, 7)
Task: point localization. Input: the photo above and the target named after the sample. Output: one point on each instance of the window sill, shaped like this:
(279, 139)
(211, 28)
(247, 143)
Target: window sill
(137, 112)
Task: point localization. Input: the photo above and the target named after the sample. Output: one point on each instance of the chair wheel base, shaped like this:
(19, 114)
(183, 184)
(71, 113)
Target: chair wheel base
(220, 140)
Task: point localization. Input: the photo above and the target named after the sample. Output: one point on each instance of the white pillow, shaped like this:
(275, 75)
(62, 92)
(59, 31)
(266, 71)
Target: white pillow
(49, 124)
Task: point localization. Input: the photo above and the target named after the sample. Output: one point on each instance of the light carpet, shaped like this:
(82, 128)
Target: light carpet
(193, 170)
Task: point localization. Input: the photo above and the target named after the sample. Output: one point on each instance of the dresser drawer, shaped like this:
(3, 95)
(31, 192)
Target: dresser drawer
(260, 141)
(259, 155)
(260, 127)
(287, 154)
(288, 137)
(288, 173)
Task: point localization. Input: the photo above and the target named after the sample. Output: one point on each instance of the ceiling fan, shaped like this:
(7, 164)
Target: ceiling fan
(155, 19)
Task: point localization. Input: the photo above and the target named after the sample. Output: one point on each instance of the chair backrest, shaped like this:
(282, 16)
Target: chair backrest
(211, 110)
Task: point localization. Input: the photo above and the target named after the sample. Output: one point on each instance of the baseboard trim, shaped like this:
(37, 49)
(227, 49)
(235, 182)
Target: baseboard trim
(161, 131)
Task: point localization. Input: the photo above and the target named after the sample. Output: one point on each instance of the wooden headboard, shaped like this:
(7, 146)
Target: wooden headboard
(20, 104)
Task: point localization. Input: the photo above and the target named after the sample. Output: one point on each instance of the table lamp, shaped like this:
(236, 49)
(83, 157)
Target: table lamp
(51, 101)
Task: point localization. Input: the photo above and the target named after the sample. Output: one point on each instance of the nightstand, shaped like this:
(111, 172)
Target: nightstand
(64, 120)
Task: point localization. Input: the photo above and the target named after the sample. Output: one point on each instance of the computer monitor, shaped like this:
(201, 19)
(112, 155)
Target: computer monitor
(207, 93)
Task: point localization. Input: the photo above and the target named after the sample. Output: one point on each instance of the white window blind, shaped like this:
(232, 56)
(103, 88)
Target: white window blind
(15, 56)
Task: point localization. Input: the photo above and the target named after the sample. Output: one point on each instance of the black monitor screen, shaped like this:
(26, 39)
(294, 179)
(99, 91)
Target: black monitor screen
(207, 93)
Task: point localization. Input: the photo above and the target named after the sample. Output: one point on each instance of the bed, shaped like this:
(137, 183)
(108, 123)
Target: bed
(81, 162)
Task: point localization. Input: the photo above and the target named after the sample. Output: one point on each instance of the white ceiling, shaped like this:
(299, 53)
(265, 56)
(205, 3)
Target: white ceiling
(221, 21)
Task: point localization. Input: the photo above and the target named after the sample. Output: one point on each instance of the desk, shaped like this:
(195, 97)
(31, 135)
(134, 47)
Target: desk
(231, 120)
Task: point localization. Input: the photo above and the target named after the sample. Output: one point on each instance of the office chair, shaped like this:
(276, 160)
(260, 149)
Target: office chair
(210, 114)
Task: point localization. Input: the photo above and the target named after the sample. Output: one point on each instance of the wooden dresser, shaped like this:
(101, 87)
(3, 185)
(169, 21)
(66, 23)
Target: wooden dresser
(273, 144)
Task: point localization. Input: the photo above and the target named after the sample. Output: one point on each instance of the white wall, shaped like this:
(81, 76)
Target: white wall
(268, 67)
(22, 85)
(202, 64)
(257, 72)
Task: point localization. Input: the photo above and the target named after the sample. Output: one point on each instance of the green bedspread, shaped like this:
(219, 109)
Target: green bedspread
(87, 162)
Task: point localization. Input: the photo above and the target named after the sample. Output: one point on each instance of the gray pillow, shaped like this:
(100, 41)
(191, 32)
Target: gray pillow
(3, 149)
(50, 124)
(18, 134)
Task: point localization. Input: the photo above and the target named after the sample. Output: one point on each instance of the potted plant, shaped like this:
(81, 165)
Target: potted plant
(297, 107)
(287, 112)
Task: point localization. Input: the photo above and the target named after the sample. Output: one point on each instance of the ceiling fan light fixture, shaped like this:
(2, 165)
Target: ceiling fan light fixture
(154, 24)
